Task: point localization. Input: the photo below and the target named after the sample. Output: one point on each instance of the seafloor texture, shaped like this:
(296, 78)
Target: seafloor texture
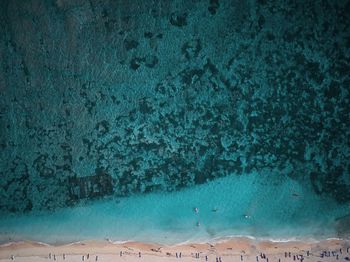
(118, 98)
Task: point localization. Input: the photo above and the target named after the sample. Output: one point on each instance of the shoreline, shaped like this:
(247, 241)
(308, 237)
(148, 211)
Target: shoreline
(241, 247)
(216, 240)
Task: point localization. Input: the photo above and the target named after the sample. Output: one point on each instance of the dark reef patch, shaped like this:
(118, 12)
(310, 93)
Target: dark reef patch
(191, 49)
(213, 6)
(98, 185)
(136, 62)
(130, 44)
(178, 19)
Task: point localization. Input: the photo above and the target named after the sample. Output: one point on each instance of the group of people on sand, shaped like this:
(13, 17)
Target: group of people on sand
(288, 255)
(335, 254)
(64, 257)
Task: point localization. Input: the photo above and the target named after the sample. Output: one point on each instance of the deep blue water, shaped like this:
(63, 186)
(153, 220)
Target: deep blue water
(138, 111)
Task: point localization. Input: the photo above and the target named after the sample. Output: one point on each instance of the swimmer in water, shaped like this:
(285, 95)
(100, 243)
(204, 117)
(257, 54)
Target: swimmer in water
(198, 224)
(196, 210)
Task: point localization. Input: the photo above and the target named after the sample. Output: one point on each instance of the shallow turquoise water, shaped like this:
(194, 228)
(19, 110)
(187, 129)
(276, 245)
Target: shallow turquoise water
(117, 118)
(273, 212)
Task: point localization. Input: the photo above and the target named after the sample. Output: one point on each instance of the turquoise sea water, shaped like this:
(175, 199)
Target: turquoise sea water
(118, 118)
(231, 206)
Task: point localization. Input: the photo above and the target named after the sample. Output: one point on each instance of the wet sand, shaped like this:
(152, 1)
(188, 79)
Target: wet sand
(235, 249)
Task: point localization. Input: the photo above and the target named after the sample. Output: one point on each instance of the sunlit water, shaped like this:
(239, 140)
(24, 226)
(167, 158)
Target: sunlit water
(236, 205)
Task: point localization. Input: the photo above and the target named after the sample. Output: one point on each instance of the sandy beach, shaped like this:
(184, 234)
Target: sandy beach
(236, 249)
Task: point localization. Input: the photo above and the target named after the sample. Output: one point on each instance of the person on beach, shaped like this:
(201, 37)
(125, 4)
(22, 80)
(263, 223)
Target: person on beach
(64, 256)
(88, 255)
(54, 257)
(96, 258)
(180, 255)
(49, 255)
(121, 253)
(83, 258)
(139, 254)
(206, 258)
(176, 254)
